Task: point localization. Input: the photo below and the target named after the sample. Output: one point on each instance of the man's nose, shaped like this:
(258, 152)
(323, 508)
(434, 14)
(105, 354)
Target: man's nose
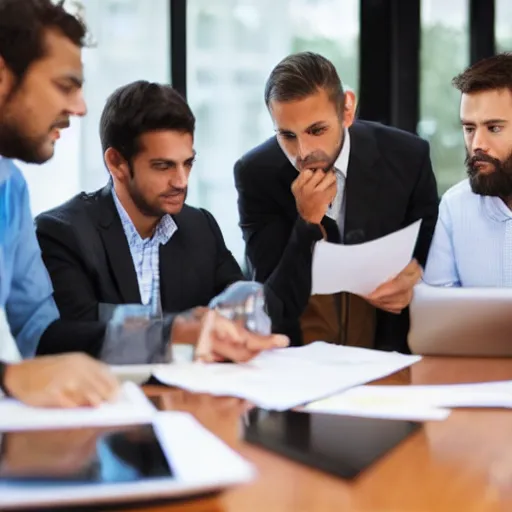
(78, 107)
(180, 178)
(304, 149)
(480, 141)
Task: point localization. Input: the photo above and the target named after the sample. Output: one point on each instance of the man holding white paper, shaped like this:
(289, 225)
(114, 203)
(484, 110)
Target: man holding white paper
(327, 176)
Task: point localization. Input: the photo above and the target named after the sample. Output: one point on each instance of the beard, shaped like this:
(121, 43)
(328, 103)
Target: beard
(497, 183)
(315, 158)
(146, 207)
(15, 143)
(18, 131)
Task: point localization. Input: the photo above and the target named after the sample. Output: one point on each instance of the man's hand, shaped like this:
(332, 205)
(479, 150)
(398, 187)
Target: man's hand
(186, 327)
(222, 339)
(396, 294)
(314, 191)
(70, 380)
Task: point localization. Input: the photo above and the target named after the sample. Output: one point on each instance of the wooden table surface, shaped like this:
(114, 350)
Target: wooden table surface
(461, 464)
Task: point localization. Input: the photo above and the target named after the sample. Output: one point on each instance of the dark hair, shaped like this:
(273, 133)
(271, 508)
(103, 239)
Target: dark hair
(138, 108)
(485, 75)
(302, 74)
(22, 27)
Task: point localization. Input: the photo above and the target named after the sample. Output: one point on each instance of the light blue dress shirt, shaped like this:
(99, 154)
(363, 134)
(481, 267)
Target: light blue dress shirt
(472, 244)
(26, 291)
(146, 253)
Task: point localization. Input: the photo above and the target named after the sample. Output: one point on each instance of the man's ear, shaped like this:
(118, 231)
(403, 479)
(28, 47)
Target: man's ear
(6, 80)
(116, 164)
(349, 110)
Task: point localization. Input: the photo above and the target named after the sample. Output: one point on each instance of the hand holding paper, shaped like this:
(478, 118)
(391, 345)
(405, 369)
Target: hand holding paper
(396, 294)
(362, 268)
(130, 407)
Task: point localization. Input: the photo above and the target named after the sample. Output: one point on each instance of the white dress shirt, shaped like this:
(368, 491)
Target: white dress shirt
(337, 208)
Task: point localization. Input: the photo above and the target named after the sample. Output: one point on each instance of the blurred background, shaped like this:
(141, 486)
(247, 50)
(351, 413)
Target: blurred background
(398, 56)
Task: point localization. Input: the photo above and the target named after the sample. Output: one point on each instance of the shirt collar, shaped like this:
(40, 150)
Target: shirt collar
(341, 163)
(163, 232)
(496, 208)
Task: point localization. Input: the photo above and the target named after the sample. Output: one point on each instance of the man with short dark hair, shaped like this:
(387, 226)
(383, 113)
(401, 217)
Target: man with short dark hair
(135, 241)
(473, 236)
(328, 176)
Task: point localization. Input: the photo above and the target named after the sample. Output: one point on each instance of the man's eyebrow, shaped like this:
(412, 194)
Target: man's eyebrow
(170, 161)
(486, 122)
(166, 161)
(495, 121)
(316, 124)
(78, 81)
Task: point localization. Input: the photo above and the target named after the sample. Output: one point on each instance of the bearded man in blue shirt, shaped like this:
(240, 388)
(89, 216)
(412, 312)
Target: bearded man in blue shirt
(473, 236)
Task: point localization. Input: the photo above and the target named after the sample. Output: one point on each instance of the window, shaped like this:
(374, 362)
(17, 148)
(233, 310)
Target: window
(251, 37)
(131, 42)
(444, 54)
(503, 32)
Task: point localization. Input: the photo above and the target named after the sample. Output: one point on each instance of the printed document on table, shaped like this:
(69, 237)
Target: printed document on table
(130, 407)
(361, 268)
(414, 399)
(283, 378)
(375, 406)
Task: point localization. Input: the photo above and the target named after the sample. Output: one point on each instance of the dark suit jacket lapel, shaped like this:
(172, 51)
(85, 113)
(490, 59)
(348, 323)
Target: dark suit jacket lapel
(117, 249)
(363, 195)
(172, 257)
(287, 176)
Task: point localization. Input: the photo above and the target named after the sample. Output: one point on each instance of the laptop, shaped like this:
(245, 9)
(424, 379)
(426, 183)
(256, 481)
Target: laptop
(453, 321)
(171, 457)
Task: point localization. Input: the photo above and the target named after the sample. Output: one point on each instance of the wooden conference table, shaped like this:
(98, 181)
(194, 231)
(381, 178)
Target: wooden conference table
(461, 464)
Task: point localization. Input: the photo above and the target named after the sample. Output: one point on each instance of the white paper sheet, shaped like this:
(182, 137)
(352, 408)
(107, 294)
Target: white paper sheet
(361, 268)
(370, 406)
(130, 407)
(410, 401)
(284, 378)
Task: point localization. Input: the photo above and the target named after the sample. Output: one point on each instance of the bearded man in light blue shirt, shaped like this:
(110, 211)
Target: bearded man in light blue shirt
(472, 244)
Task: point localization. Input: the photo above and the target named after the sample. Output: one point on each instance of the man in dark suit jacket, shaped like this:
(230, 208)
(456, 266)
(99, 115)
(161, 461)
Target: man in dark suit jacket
(88, 256)
(326, 176)
(135, 241)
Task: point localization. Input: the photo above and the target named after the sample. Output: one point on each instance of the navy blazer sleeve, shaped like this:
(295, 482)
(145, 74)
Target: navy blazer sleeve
(74, 293)
(424, 204)
(279, 250)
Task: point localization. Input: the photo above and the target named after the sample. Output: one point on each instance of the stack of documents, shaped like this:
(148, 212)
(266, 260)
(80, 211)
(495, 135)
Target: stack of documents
(284, 378)
(415, 402)
(356, 269)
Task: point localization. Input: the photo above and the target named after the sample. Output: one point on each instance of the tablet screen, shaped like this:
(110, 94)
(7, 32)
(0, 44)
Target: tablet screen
(82, 456)
(343, 445)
